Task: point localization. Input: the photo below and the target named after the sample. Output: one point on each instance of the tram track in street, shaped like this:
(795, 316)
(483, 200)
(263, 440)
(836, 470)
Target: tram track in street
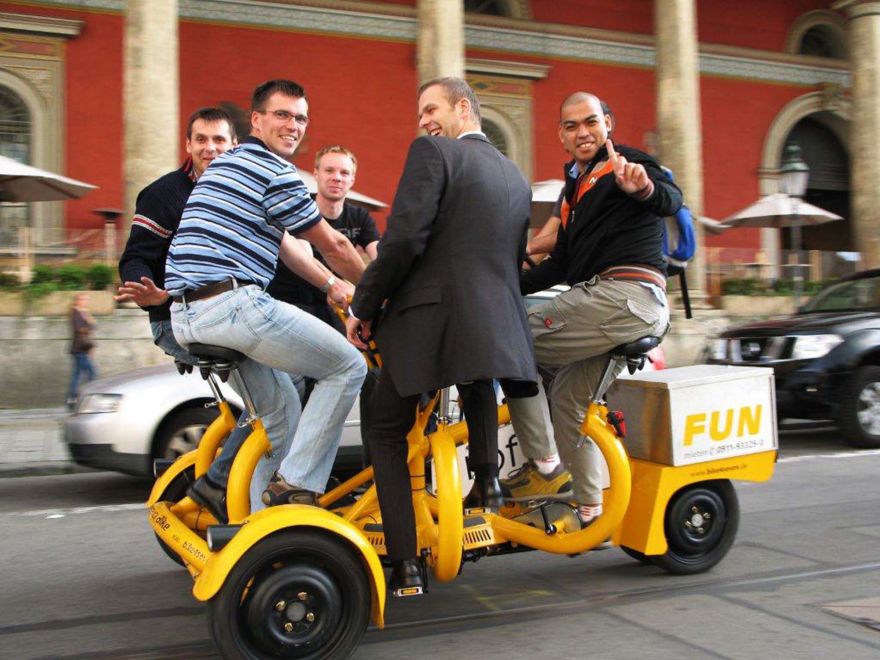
(591, 602)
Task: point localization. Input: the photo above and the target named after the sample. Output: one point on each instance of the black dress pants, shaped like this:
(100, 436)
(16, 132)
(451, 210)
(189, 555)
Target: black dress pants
(392, 417)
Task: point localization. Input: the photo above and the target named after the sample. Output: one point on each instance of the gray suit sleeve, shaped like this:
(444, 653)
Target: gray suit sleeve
(409, 226)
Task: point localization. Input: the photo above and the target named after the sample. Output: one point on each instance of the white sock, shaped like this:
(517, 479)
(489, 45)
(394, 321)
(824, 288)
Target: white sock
(547, 465)
(589, 512)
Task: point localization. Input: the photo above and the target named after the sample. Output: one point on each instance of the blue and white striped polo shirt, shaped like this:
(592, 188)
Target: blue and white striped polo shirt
(235, 217)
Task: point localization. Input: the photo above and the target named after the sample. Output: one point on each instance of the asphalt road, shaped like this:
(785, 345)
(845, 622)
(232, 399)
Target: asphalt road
(82, 577)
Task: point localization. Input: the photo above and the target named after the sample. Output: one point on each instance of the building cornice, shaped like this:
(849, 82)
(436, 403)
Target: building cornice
(498, 35)
(507, 69)
(45, 25)
(858, 8)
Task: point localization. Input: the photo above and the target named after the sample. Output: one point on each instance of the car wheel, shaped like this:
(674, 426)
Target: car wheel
(296, 594)
(174, 492)
(700, 524)
(859, 419)
(181, 431)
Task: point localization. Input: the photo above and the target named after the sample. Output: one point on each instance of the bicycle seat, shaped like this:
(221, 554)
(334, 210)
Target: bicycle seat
(211, 353)
(219, 358)
(636, 348)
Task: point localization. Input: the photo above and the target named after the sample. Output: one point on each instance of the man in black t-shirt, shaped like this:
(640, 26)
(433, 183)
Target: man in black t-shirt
(335, 169)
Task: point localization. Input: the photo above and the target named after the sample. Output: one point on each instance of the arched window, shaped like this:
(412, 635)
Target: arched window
(508, 8)
(15, 127)
(819, 33)
(822, 41)
(496, 136)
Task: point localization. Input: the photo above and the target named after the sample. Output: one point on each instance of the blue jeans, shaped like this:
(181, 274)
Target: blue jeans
(163, 337)
(218, 473)
(82, 366)
(278, 336)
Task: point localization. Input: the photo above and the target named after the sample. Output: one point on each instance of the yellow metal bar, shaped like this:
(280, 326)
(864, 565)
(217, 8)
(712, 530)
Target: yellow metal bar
(176, 469)
(617, 499)
(184, 507)
(238, 500)
(450, 520)
(345, 487)
(180, 538)
(213, 436)
(367, 505)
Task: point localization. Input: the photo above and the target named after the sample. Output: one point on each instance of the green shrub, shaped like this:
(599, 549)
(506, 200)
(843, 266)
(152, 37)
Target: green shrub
(741, 287)
(71, 277)
(783, 286)
(8, 281)
(34, 291)
(100, 276)
(42, 274)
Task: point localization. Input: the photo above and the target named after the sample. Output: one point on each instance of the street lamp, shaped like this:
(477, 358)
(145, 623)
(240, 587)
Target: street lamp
(793, 177)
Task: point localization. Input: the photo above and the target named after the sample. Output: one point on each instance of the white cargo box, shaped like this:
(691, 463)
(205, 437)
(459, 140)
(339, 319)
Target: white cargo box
(695, 414)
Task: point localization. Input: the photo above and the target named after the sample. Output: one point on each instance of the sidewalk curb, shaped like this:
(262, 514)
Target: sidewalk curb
(45, 469)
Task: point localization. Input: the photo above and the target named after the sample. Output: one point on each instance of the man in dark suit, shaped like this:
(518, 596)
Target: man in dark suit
(448, 267)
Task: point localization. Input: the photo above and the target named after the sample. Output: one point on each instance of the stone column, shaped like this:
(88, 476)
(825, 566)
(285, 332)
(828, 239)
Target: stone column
(150, 96)
(678, 116)
(440, 45)
(864, 48)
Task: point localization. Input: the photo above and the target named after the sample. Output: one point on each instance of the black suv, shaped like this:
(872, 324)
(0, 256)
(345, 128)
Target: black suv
(826, 357)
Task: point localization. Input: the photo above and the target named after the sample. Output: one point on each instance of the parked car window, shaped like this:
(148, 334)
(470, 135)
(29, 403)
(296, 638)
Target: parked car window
(849, 295)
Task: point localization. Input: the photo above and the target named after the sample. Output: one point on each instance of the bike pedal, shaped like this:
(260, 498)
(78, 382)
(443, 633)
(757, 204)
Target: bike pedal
(406, 592)
(478, 511)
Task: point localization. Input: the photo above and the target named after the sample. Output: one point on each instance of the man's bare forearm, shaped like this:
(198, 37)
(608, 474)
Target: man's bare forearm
(295, 257)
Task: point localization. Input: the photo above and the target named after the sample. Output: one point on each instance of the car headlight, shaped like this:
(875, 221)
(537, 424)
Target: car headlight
(718, 348)
(98, 403)
(810, 347)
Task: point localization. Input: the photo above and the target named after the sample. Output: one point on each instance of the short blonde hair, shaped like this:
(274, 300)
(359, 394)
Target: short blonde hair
(335, 149)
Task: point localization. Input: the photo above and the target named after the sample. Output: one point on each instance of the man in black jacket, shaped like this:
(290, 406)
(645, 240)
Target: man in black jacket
(209, 133)
(609, 249)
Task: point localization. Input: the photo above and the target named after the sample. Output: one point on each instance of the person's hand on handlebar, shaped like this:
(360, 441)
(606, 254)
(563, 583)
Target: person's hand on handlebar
(358, 332)
(340, 292)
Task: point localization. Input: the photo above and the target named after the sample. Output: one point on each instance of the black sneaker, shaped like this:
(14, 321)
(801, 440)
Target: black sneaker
(211, 496)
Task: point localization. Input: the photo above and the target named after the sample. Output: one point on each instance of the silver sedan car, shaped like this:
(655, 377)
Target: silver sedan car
(123, 422)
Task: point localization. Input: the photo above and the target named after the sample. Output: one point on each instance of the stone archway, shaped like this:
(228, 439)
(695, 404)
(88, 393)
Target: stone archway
(829, 109)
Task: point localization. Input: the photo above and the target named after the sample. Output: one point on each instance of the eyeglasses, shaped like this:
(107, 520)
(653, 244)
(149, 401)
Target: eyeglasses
(285, 116)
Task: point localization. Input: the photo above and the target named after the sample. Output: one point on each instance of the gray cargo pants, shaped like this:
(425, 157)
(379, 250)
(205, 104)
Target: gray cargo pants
(573, 334)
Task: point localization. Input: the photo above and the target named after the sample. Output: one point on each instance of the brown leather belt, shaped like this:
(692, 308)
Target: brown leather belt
(210, 290)
(638, 273)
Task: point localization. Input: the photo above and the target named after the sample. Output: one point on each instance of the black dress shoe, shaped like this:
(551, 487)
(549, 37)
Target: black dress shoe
(406, 578)
(211, 496)
(485, 494)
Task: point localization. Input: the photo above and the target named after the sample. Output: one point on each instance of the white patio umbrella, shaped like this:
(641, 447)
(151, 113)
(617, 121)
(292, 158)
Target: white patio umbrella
(353, 197)
(711, 225)
(23, 183)
(780, 210)
(544, 196)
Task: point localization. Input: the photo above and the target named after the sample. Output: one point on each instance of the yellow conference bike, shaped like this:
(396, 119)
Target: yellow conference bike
(298, 581)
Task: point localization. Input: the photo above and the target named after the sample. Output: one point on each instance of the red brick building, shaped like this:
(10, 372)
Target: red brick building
(767, 73)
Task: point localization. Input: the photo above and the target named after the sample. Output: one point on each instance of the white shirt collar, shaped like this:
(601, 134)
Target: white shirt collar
(466, 133)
